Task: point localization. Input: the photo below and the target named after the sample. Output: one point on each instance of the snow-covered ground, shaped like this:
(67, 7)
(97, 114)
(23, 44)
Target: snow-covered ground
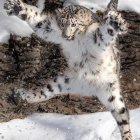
(98, 126)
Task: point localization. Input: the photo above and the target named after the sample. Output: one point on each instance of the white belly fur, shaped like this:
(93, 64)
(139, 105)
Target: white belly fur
(96, 72)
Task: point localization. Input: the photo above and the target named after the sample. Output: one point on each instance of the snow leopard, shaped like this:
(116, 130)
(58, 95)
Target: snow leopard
(88, 44)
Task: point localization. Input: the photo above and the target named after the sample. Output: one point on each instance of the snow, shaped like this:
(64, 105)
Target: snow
(97, 126)
(132, 5)
(12, 25)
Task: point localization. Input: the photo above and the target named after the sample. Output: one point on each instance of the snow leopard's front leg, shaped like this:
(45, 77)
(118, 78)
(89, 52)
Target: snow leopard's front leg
(26, 12)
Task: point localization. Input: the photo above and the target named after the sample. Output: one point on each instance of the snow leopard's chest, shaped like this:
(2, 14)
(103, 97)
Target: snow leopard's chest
(90, 62)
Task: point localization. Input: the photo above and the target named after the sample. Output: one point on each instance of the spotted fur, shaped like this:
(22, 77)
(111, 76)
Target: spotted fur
(93, 63)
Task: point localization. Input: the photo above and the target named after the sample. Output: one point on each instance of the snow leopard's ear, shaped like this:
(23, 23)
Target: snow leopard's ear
(112, 6)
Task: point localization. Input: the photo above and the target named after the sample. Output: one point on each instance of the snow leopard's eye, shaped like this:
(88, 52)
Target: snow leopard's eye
(73, 25)
(62, 25)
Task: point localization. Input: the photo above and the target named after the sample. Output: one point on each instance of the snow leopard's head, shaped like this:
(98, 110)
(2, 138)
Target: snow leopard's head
(70, 27)
(73, 20)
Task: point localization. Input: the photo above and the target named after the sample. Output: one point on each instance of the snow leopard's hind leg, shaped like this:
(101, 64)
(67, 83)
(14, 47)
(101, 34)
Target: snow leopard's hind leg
(121, 115)
(31, 14)
(112, 97)
(114, 101)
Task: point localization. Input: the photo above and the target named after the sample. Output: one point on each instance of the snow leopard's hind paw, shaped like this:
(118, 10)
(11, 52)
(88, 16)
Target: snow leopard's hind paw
(127, 136)
(13, 7)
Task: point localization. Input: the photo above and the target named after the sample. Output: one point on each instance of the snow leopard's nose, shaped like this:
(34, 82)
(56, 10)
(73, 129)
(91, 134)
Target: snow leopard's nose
(68, 37)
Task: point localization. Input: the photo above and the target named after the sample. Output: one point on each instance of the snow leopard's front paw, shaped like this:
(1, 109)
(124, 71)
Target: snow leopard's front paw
(13, 7)
(117, 22)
